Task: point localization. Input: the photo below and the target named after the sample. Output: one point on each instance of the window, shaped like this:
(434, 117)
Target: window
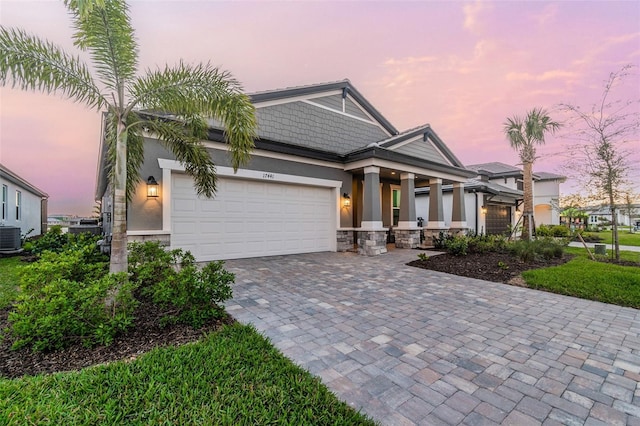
(18, 205)
(5, 196)
(520, 185)
(395, 205)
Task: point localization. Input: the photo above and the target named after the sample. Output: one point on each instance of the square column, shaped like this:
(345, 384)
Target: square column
(458, 214)
(407, 234)
(372, 236)
(435, 223)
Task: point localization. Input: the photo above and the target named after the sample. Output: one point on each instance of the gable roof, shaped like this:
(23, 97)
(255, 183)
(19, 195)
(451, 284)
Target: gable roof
(313, 89)
(432, 147)
(22, 183)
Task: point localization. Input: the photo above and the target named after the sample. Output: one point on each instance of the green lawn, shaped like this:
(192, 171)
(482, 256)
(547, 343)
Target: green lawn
(624, 236)
(234, 376)
(584, 278)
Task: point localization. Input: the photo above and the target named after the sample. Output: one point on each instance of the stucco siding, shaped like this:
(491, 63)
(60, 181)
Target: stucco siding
(146, 213)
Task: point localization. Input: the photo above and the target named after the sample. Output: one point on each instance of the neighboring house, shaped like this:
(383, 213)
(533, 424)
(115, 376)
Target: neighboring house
(493, 198)
(22, 204)
(329, 172)
(601, 215)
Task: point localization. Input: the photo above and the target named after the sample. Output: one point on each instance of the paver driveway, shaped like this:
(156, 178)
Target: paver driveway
(407, 345)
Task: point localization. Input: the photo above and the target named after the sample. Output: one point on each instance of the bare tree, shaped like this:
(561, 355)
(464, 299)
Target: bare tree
(600, 154)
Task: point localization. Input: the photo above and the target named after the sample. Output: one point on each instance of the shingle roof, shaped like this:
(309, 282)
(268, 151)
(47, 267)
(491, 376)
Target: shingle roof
(494, 168)
(475, 184)
(549, 176)
(344, 85)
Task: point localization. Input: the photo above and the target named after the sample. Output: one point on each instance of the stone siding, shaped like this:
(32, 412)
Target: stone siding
(163, 239)
(407, 238)
(372, 243)
(345, 240)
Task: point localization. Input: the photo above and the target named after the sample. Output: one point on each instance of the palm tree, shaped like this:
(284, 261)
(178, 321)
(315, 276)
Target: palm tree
(523, 135)
(190, 93)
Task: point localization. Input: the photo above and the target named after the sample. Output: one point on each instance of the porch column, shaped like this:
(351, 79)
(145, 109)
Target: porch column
(435, 222)
(458, 214)
(407, 234)
(407, 201)
(372, 236)
(371, 211)
(436, 215)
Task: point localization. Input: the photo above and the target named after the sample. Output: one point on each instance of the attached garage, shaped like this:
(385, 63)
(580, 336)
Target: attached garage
(498, 219)
(251, 218)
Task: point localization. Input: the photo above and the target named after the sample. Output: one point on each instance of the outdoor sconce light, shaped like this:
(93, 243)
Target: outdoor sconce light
(483, 210)
(346, 202)
(152, 187)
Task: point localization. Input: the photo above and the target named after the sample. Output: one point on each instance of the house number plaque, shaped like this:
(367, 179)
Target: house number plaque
(268, 176)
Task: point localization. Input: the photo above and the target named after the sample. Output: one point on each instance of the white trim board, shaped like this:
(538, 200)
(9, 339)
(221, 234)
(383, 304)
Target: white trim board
(256, 175)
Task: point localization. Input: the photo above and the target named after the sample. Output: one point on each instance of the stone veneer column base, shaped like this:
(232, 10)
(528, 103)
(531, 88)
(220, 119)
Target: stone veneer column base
(407, 238)
(372, 243)
(163, 239)
(458, 231)
(345, 240)
(428, 234)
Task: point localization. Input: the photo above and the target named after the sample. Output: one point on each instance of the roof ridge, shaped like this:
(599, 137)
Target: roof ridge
(302, 86)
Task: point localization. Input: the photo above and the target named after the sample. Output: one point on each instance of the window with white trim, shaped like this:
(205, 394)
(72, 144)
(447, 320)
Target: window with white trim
(395, 206)
(5, 200)
(18, 205)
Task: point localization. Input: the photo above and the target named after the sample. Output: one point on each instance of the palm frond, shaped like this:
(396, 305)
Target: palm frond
(84, 7)
(188, 149)
(105, 31)
(201, 90)
(34, 64)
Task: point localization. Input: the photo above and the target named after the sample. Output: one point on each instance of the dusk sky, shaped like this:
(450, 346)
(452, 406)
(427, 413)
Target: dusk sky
(462, 67)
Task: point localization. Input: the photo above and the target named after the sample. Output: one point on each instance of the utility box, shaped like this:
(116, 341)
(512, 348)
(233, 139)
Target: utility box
(10, 238)
(600, 249)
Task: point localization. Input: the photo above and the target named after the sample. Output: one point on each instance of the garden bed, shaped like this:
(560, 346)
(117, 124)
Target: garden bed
(499, 267)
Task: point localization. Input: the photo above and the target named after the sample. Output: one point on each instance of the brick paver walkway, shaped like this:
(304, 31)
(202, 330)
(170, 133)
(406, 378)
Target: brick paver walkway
(411, 346)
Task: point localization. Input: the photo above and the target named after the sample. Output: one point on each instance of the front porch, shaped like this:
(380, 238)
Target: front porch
(382, 208)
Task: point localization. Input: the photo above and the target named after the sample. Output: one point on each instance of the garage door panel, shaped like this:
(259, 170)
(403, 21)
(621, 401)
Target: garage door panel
(251, 218)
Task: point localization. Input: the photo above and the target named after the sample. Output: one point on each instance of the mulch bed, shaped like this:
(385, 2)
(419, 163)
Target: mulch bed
(144, 336)
(485, 266)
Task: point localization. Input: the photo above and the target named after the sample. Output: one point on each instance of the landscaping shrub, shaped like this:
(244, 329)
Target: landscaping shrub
(544, 231)
(487, 243)
(440, 241)
(82, 263)
(542, 248)
(457, 245)
(185, 293)
(63, 311)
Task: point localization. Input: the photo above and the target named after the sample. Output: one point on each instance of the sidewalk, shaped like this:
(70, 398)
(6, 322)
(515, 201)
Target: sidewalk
(609, 247)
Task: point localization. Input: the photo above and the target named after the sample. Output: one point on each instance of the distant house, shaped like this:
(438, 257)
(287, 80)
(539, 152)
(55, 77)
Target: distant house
(601, 215)
(493, 198)
(23, 205)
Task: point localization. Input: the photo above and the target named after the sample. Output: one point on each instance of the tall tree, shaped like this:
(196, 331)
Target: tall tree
(190, 93)
(523, 135)
(602, 157)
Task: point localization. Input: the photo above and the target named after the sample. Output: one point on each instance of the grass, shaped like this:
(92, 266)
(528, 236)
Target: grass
(624, 236)
(584, 278)
(234, 376)
(9, 279)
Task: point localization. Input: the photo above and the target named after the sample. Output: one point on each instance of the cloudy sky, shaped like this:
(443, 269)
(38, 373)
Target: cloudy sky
(463, 67)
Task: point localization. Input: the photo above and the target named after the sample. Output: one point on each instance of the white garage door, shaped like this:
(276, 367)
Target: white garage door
(249, 218)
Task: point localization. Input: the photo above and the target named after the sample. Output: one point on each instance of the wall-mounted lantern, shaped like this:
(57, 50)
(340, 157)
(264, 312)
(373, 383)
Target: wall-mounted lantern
(346, 200)
(484, 209)
(152, 187)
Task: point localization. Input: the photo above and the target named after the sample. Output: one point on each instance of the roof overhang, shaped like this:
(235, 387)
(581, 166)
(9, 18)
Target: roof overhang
(22, 183)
